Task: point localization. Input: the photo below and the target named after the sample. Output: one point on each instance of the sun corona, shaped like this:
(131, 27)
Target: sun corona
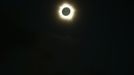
(66, 11)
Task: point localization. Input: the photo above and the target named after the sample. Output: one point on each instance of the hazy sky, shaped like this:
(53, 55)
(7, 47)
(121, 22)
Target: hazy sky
(36, 42)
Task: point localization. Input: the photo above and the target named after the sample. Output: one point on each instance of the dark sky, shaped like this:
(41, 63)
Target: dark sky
(35, 42)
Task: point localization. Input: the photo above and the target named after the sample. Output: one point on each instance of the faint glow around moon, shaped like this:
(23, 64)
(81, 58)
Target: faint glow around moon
(70, 15)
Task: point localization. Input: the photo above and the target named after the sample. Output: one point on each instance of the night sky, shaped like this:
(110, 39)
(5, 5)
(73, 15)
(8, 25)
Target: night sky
(36, 42)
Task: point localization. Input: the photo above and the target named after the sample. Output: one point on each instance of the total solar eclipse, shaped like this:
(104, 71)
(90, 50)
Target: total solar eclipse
(66, 11)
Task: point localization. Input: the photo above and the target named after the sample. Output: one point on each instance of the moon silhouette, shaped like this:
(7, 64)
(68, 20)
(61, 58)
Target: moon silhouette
(66, 11)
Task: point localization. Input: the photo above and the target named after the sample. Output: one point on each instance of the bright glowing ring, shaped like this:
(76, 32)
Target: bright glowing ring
(68, 17)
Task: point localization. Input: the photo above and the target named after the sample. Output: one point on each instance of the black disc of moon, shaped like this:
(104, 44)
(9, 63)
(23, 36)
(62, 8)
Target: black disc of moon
(66, 11)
